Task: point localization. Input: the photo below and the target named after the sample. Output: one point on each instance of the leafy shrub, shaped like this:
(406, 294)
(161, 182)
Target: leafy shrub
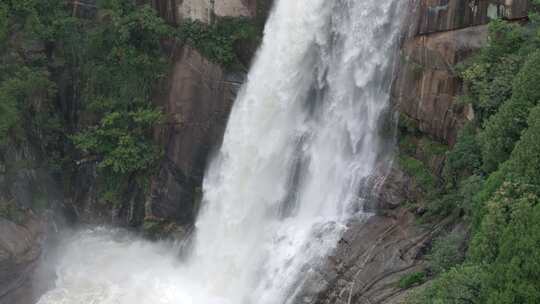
(120, 64)
(27, 90)
(412, 279)
(524, 163)
(418, 171)
(465, 157)
(508, 241)
(446, 252)
(217, 41)
(502, 196)
(460, 285)
(515, 274)
(122, 141)
(504, 38)
(503, 129)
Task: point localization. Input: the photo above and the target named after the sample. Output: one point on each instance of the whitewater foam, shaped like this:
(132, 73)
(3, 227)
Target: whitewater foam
(303, 138)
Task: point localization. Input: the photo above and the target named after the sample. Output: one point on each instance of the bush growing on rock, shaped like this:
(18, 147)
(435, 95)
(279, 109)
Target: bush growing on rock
(446, 252)
(412, 279)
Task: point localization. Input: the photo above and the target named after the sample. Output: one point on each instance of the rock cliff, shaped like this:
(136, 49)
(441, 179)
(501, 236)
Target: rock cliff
(199, 97)
(441, 35)
(375, 254)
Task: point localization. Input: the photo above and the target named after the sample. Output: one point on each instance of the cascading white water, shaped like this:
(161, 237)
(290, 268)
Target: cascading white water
(302, 139)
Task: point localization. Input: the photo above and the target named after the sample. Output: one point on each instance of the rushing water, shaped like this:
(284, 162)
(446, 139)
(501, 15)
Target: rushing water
(303, 138)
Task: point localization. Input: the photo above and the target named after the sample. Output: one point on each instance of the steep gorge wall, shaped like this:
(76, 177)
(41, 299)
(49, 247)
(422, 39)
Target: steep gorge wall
(196, 98)
(444, 33)
(375, 254)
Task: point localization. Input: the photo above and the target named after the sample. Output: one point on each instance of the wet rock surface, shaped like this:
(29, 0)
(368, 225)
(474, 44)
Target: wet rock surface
(197, 104)
(20, 251)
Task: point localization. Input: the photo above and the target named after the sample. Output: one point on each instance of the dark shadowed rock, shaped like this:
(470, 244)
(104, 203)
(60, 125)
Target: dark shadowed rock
(20, 250)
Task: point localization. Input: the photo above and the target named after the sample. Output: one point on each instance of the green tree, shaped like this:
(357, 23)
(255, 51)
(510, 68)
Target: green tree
(504, 129)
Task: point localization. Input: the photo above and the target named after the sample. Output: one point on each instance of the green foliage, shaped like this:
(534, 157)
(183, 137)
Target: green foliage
(509, 241)
(26, 90)
(515, 274)
(419, 171)
(4, 23)
(412, 279)
(499, 191)
(524, 163)
(490, 84)
(464, 159)
(122, 141)
(460, 285)
(504, 38)
(446, 252)
(407, 126)
(504, 128)
(106, 68)
(11, 212)
(217, 41)
(121, 61)
(456, 201)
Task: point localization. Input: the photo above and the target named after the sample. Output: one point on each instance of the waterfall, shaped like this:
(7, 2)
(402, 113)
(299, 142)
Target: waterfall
(302, 141)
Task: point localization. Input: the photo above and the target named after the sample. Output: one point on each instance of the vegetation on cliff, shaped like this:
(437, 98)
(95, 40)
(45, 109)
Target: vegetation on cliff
(492, 179)
(217, 41)
(88, 82)
(80, 88)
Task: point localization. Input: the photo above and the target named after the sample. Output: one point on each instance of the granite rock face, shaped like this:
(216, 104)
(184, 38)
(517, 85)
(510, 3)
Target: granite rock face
(441, 34)
(197, 101)
(199, 97)
(20, 251)
(196, 98)
(427, 84)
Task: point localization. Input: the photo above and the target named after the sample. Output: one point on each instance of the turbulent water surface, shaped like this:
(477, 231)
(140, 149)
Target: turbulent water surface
(303, 137)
